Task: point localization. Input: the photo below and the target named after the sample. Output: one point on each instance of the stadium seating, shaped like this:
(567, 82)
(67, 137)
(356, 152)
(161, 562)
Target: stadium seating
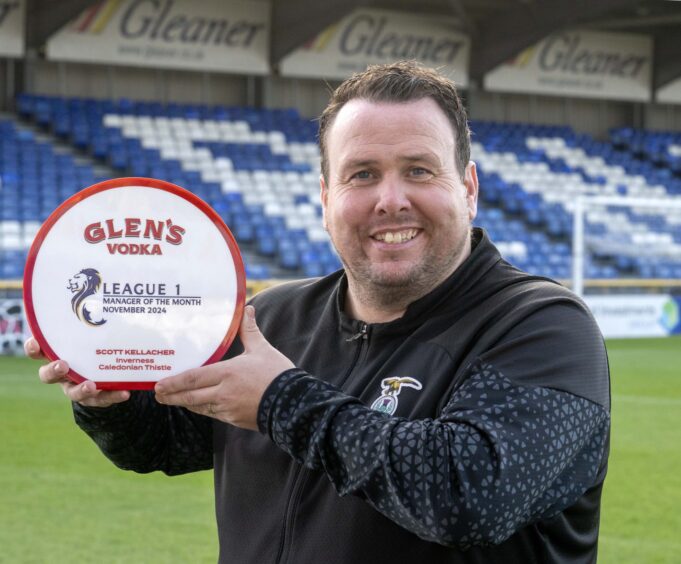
(253, 167)
(259, 170)
(34, 179)
(537, 172)
(661, 148)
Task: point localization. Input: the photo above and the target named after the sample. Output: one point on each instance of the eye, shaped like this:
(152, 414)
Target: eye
(420, 172)
(362, 175)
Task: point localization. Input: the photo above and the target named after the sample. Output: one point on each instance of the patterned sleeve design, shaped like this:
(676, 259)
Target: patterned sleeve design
(144, 436)
(499, 456)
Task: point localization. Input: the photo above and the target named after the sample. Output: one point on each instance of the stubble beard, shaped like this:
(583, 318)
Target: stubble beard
(394, 290)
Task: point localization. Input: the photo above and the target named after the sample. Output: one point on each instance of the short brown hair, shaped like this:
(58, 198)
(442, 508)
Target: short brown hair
(404, 81)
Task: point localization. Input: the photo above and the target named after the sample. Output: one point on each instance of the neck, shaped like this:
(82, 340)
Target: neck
(373, 303)
(374, 307)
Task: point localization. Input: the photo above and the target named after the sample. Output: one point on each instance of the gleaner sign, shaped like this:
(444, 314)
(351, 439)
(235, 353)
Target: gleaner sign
(155, 20)
(11, 28)
(566, 52)
(370, 36)
(6, 8)
(366, 34)
(216, 35)
(590, 64)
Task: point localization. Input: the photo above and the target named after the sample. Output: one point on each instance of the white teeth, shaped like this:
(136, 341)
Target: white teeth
(392, 237)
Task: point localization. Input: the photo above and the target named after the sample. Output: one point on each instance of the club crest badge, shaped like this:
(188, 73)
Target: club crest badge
(84, 285)
(390, 390)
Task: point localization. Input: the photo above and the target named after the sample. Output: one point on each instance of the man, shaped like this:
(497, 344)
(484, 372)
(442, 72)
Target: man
(427, 403)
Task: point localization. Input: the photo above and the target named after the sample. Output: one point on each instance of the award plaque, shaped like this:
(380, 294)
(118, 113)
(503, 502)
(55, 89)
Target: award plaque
(132, 280)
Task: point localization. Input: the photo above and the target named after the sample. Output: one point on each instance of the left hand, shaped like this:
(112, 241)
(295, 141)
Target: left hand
(230, 390)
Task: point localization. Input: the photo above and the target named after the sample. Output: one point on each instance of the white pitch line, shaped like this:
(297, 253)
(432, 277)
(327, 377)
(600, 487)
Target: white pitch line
(647, 400)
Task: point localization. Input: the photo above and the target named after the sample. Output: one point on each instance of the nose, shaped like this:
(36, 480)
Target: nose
(392, 196)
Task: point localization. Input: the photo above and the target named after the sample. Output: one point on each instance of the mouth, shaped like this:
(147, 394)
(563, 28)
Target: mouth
(395, 237)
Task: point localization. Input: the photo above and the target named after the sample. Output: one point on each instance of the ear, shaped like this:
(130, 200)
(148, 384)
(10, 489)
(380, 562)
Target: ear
(470, 181)
(324, 195)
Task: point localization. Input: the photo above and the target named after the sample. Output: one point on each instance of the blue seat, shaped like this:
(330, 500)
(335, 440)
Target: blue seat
(257, 272)
(289, 259)
(314, 269)
(244, 232)
(267, 245)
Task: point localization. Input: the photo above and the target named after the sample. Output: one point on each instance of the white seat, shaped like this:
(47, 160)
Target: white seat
(112, 120)
(12, 242)
(10, 228)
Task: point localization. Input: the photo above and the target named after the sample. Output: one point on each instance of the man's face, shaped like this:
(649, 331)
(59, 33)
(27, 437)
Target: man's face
(395, 206)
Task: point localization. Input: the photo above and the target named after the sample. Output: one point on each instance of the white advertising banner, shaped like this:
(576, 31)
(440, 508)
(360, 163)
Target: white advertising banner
(12, 28)
(670, 93)
(211, 35)
(636, 315)
(380, 36)
(13, 327)
(587, 64)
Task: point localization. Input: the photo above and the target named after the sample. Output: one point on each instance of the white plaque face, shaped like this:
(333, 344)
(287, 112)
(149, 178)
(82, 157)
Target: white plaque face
(132, 280)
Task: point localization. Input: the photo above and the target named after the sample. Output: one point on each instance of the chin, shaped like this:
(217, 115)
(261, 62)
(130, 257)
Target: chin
(395, 278)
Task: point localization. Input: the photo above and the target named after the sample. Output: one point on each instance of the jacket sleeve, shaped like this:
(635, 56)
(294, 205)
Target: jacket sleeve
(144, 436)
(499, 456)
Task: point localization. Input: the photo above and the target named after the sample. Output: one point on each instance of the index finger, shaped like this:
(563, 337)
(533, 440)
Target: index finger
(194, 379)
(54, 372)
(32, 349)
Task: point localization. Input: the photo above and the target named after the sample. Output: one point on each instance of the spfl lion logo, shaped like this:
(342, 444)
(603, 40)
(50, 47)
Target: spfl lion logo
(85, 285)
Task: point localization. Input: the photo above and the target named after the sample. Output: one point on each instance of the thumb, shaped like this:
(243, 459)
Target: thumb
(249, 333)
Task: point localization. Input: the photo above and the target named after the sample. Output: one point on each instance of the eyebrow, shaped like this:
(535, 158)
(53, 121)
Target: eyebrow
(359, 163)
(428, 157)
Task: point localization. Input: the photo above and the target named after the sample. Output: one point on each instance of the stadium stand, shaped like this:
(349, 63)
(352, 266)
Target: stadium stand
(258, 168)
(661, 148)
(538, 171)
(34, 179)
(252, 166)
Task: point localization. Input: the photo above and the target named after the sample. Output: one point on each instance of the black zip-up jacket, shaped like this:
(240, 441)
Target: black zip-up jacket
(472, 430)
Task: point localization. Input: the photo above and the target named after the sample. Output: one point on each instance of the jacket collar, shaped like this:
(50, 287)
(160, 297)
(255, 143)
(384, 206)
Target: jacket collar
(461, 284)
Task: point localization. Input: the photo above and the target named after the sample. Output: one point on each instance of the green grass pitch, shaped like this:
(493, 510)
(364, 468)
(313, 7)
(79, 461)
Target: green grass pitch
(63, 502)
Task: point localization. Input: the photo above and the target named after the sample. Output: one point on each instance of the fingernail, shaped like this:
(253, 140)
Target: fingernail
(250, 312)
(59, 367)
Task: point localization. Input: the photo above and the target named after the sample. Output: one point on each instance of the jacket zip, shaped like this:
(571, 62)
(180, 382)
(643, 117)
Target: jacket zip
(300, 478)
(301, 473)
(361, 334)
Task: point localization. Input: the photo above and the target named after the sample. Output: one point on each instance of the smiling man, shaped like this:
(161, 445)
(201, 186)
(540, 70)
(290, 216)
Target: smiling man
(427, 403)
(396, 206)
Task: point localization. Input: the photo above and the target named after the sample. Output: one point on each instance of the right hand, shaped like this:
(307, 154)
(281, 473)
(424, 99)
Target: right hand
(85, 393)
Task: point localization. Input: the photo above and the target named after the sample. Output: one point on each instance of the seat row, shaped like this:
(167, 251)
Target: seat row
(259, 169)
